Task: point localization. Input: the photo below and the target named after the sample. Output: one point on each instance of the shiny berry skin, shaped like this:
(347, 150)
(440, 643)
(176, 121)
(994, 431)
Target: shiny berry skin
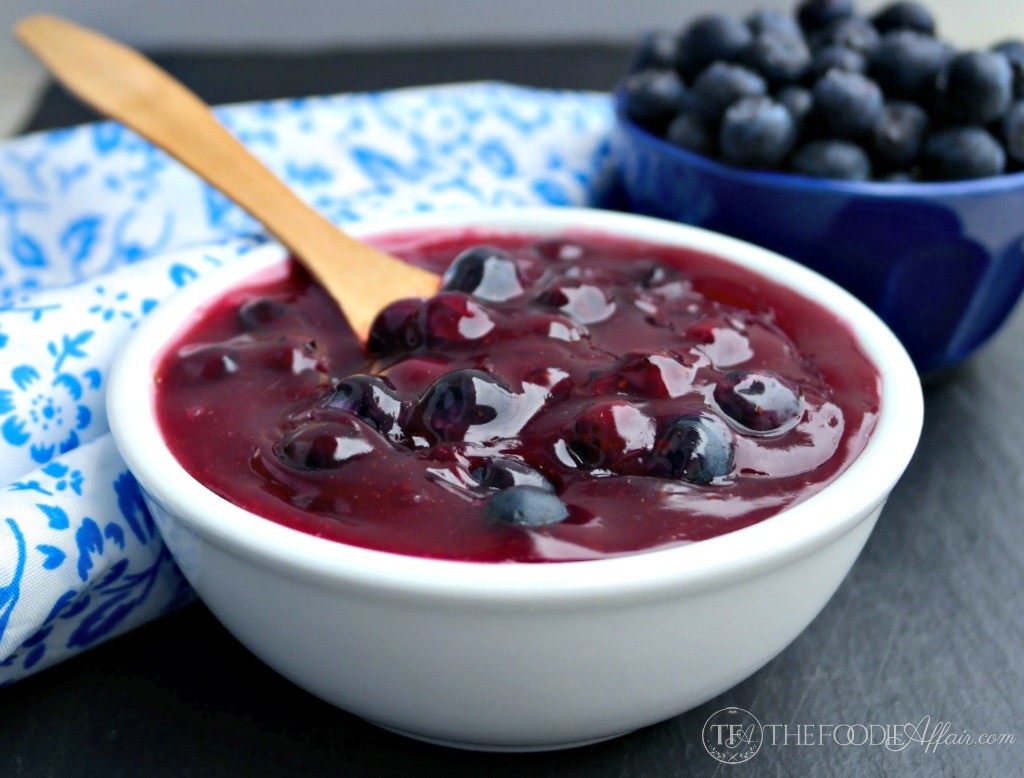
(526, 506)
(756, 132)
(720, 86)
(696, 447)
(975, 87)
(502, 473)
(607, 433)
(818, 14)
(897, 137)
(760, 401)
(961, 153)
(655, 373)
(462, 401)
(907, 63)
(396, 328)
(453, 319)
(653, 97)
(323, 445)
(904, 16)
(484, 272)
(653, 274)
(711, 39)
(832, 159)
(372, 398)
(586, 303)
(847, 104)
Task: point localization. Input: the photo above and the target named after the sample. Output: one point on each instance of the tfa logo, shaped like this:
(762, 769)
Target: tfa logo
(732, 735)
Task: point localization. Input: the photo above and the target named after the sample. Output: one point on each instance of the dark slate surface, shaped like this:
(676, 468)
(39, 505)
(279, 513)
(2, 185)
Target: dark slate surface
(930, 621)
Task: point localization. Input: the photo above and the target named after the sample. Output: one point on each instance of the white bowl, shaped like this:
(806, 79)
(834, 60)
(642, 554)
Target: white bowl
(518, 656)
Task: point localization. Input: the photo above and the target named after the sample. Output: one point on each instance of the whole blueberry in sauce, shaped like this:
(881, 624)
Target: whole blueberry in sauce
(372, 398)
(696, 447)
(565, 397)
(762, 401)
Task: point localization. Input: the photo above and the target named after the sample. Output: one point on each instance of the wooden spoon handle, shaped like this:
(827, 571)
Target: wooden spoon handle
(122, 84)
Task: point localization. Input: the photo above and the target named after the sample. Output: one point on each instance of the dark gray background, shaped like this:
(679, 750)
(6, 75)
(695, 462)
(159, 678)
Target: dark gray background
(928, 623)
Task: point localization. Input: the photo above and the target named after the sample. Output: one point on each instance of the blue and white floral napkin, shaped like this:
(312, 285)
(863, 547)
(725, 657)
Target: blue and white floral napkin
(92, 224)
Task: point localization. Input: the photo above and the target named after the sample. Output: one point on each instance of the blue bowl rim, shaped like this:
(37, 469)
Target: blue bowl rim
(778, 180)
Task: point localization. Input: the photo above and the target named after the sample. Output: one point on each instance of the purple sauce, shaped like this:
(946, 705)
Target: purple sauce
(565, 399)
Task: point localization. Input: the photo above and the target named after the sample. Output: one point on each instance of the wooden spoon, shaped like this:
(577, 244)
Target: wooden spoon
(122, 84)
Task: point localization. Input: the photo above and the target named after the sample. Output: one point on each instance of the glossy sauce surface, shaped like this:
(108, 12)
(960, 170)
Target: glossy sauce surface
(625, 378)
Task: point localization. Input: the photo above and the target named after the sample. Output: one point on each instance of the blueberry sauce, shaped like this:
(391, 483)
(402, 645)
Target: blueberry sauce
(560, 399)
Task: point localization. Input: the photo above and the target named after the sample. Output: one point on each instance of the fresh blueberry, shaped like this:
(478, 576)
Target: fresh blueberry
(760, 401)
(975, 87)
(961, 153)
(780, 57)
(526, 506)
(484, 272)
(396, 328)
(697, 447)
(256, 314)
(773, 22)
(461, 401)
(503, 473)
(835, 58)
(322, 446)
(709, 39)
(854, 33)
(898, 135)
(798, 102)
(907, 63)
(847, 104)
(1013, 50)
(904, 16)
(1013, 131)
(372, 398)
(756, 132)
(721, 85)
(818, 14)
(688, 131)
(832, 159)
(653, 97)
(656, 51)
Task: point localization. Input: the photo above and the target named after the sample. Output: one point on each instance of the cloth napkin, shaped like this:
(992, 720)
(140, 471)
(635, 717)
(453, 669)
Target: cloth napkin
(93, 221)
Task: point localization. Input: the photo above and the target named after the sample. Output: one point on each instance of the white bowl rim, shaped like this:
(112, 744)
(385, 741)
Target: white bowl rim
(789, 535)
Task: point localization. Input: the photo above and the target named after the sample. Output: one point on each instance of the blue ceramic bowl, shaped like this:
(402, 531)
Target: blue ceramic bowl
(941, 263)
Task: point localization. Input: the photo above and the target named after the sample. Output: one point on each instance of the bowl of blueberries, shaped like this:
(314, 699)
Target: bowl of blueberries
(610, 469)
(867, 148)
